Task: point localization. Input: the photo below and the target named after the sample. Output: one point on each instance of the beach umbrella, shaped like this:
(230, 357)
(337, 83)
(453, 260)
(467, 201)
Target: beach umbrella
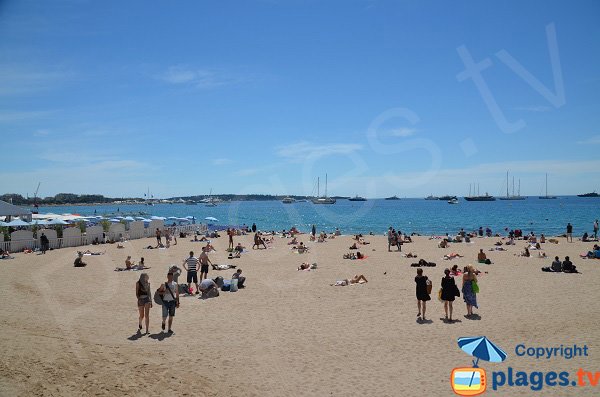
(129, 219)
(481, 348)
(18, 222)
(159, 218)
(56, 222)
(114, 220)
(39, 222)
(211, 218)
(3, 223)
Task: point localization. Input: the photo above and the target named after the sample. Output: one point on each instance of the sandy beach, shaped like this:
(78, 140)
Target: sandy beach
(72, 331)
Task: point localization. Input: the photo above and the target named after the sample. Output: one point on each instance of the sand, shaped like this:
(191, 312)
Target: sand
(72, 331)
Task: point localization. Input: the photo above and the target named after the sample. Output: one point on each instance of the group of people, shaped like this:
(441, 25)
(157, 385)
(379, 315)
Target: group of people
(168, 292)
(557, 266)
(448, 292)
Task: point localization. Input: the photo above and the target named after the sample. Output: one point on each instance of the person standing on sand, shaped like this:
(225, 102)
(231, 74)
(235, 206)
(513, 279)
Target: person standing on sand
(204, 261)
(569, 232)
(254, 228)
(142, 292)
(170, 297)
(596, 229)
(314, 230)
(422, 295)
(45, 243)
(449, 290)
(158, 238)
(390, 237)
(469, 296)
(191, 267)
(230, 236)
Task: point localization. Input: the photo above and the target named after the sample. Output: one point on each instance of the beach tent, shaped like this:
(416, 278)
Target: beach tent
(56, 222)
(8, 209)
(18, 222)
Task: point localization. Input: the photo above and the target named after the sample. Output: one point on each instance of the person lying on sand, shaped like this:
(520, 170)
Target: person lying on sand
(452, 255)
(223, 267)
(410, 255)
(541, 254)
(119, 245)
(88, 252)
(293, 242)
(307, 266)
(234, 254)
(350, 281)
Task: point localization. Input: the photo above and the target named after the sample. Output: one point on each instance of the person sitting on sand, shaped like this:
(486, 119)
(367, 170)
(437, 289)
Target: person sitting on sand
(301, 248)
(120, 246)
(359, 255)
(79, 261)
(293, 242)
(443, 244)
(455, 271)
(349, 255)
(357, 279)
(234, 254)
(241, 279)
(541, 254)
(128, 263)
(481, 257)
(321, 238)
(542, 238)
(363, 242)
(555, 267)
(337, 232)
(353, 247)
(568, 266)
(525, 253)
(585, 237)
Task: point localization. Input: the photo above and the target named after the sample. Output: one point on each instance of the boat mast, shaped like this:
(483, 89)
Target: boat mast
(513, 185)
(325, 185)
(507, 184)
(546, 184)
(318, 186)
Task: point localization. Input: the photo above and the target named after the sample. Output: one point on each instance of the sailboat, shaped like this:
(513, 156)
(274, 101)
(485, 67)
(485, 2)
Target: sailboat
(210, 201)
(324, 199)
(148, 201)
(485, 197)
(546, 197)
(512, 197)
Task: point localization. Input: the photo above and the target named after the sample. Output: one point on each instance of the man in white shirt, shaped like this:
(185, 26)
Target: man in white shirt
(206, 286)
(170, 298)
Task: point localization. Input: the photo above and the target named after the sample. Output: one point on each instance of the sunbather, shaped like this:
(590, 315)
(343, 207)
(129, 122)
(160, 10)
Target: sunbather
(357, 279)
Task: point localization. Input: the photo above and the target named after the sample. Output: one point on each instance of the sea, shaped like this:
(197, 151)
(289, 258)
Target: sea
(425, 217)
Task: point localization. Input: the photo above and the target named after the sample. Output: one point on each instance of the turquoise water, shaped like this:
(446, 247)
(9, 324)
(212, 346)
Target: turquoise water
(409, 215)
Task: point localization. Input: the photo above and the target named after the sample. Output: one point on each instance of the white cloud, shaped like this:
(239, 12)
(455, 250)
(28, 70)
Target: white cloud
(221, 161)
(403, 132)
(19, 79)
(41, 133)
(594, 140)
(199, 78)
(10, 116)
(302, 150)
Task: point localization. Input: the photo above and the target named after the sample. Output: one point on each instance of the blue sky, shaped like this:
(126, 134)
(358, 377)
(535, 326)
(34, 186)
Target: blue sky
(263, 96)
